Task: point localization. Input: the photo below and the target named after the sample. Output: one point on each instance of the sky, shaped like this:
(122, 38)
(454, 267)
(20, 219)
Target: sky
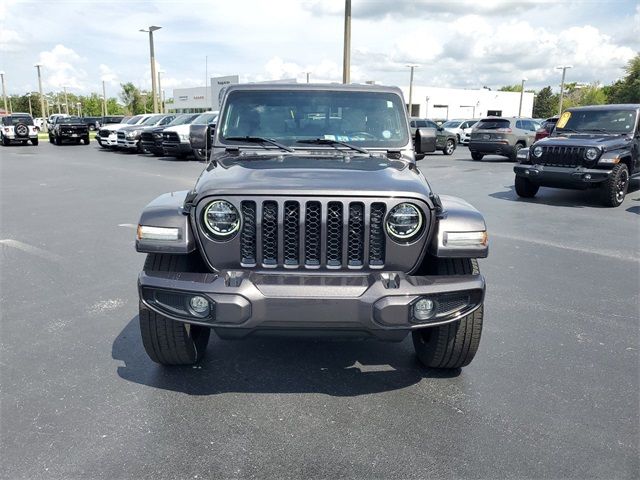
(456, 43)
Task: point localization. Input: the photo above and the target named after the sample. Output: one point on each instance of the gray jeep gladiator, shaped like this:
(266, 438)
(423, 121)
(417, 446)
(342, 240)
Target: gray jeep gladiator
(313, 219)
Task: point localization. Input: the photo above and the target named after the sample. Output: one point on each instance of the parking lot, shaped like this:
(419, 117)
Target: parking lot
(553, 391)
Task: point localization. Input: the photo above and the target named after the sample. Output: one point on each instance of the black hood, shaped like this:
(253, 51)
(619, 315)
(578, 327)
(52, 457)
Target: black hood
(311, 174)
(604, 142)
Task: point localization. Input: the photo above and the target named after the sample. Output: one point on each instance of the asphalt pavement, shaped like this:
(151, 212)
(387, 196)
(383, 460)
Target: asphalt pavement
(552, 393)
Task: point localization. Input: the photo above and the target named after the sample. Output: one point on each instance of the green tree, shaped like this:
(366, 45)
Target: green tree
(580, 95)
(131, 98)
(511, 88)
(627, 89)
(546, 103)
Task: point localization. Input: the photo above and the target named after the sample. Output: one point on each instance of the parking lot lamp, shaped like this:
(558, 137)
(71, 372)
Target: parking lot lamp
(66, 101)
(564, 72)
(521, 96)
(79, 108)
(346, 55)
(104, 100)
(160, 90)
(42, 110)
(411, 66)
(4, 93)
(152, 57)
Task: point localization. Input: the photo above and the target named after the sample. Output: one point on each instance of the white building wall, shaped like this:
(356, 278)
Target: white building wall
(448, 103)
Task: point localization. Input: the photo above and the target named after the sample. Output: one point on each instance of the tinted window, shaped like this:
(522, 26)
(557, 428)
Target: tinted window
(64, 120)
(183, 119)
(134, 120)
(413, 124)
(14, 120)
(152, 120)
(422, 124)
(205, 119)
(520, 124)
(493, 124)
(376, 119)
(452, 124)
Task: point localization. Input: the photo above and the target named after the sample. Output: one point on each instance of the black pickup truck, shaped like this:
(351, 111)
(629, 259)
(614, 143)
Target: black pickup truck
(595, 147)
(69, 129)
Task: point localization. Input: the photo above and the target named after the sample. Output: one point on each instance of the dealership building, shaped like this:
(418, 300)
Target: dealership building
(427, 102)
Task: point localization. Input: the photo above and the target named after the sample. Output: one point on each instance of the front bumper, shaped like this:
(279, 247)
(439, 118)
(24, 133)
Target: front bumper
(561, 177)
(152, 146)
(128, 143)
(495, 148)
(110, 141)
(377, 304)
(172, 148)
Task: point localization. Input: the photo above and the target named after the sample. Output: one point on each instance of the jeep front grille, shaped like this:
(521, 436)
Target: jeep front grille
(561, 156)
(312, 234)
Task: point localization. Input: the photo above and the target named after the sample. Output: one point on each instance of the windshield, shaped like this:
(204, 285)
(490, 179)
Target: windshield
(17, 120)
(153, 120)
(452, 124)
(373, 119)
(183, 119)
(605, 121)
(205, 119)
(133, 120)
(70, 120)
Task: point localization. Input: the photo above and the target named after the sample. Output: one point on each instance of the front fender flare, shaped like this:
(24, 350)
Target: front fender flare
(457, 216)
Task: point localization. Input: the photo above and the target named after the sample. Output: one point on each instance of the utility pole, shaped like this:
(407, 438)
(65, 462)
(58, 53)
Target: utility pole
(152, 59)
(30, 108)
(104, 100)
(308, 73)
(411, 66)
(42, 110)
(564, 72)
(521, 95)
(346, 55)
(66, 101)
(4, 93)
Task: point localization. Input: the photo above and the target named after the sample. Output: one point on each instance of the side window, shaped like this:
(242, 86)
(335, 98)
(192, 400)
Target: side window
(413, 124)
(519, 124)
(431, 125)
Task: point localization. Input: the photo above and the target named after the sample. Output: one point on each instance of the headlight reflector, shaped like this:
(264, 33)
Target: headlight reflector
(465, 239)
(222, 219)
(146, 232)
(404, 221)
(591, 154)
(537, 151)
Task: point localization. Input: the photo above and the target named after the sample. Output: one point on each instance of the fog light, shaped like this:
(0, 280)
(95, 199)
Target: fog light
(199, 305)
(587, 177)
(423, 309)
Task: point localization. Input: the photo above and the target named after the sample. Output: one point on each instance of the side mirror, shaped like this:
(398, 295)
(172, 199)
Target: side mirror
(425, 140)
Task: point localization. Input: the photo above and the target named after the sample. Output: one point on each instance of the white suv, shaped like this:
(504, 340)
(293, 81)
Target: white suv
(175, 140)
(18, 127)
(107, 136)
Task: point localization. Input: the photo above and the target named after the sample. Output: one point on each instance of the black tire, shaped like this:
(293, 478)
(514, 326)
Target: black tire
(477, 156)
(200, 155)
(50, 139)
(5, 141)
(78, 141)
(525, 188)
(514, 155)
(166, 341)
(57, 140)
(449, 147)
(86, 141)
(34, 141)
(21, 130)
(614, 189)
(453, 345)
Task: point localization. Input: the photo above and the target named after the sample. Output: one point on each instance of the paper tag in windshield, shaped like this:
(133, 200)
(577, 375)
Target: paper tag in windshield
(329, 137)
(562, 122)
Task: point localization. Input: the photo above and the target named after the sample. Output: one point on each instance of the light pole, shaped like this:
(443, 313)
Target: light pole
(411, 66)
(4, 93)
(66, 101)
(152, 56)
(42, 111)
(79, 107)
(524, 79)
(307, 73)
(426, 114)
(564, 72)
(30, 107)
(104, 100)
(346, 55)
(160, 90)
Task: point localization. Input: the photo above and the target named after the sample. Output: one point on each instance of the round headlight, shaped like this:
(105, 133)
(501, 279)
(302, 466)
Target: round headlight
(591, 154)
(222, 219)
(537, 151)
(404, 221)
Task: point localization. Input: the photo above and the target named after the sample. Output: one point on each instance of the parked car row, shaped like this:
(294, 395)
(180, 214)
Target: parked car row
(159, 134)
(92, 123)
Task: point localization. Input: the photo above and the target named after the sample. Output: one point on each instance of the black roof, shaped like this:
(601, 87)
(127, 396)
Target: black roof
(614, 106)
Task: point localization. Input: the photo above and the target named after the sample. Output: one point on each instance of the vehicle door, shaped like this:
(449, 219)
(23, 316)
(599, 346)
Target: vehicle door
(520, 132)
(635, 148)
(441, 136)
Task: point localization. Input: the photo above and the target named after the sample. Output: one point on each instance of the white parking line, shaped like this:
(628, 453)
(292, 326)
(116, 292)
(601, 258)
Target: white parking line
(31, 249)
(128, 225)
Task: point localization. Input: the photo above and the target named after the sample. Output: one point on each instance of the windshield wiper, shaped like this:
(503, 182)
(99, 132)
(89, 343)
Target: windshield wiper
(567, 129)
(270, 141)
(327, 141)
(598, 130)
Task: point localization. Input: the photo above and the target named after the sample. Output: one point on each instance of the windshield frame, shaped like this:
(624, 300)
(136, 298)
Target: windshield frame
(404, 137)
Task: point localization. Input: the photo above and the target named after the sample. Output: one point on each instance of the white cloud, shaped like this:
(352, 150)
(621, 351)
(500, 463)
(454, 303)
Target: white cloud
(107, 74)
(61, 68)
(11, 41)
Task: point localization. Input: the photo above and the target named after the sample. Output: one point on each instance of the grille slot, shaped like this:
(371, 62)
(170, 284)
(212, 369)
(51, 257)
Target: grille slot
(270, 233)
(312, 231)
(562, 156)
(376, 234)
(334, 234)
(355, 248)
(248, 234)
(291, 233)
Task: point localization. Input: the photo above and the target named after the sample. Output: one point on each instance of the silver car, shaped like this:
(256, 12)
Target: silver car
(502, 136)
